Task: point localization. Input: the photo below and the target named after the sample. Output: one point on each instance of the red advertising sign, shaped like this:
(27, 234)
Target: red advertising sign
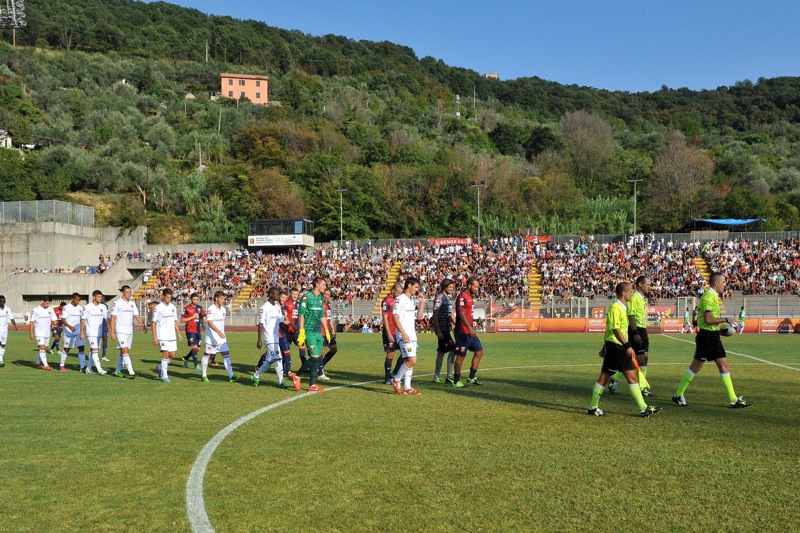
(449, 241)
(517, 325)
(596, 325)
(778, 325)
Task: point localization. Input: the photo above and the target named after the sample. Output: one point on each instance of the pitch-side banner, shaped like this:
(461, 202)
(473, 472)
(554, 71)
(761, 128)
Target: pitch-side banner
(778, 325)
(517, 325)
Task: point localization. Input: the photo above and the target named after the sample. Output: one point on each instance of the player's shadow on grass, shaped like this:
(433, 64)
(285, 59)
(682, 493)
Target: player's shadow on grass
(25, 362)
(370, 382)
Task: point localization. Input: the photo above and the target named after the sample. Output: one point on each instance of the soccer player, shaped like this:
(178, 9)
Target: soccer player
(389, 332)
(42, 321)
(637, 333)
(216, 342)
(618, 354)
(328, 334)
(121, 327)
(466, 335)
(193, 316)
(105, 330)
(742, 317)
(269, 321)
(289, 331)
(687, 322)
(166, 332)
(5, 318)
(94, 315)
(708, 345)
(443, 320)
(408, 307)
(57, 329)
(310, 317)
(71, 321)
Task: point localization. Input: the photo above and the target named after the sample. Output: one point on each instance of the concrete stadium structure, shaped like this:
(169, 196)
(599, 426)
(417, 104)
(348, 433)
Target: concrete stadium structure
(51, 245)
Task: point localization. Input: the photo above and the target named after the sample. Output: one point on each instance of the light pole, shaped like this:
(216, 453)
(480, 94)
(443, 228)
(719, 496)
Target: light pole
(479, 185)
(341, 216)
(635, 182)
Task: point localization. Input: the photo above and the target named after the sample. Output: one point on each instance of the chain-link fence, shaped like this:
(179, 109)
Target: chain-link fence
(46, 211)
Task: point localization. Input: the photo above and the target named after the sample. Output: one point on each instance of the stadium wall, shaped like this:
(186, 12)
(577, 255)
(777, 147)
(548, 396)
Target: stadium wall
(598, 325)
(53, 244)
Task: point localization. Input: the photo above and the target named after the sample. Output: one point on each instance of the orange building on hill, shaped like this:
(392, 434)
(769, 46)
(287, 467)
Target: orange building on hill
(254, 88)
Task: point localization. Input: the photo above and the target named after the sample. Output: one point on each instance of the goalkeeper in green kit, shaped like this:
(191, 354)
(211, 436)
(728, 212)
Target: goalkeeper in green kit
(310, 319)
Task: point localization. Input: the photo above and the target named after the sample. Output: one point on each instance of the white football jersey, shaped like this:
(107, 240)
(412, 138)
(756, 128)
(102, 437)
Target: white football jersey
(72, 315)
(124, 311)
(271, 317)
(165, 317)
(5, 318)
(43, 320)
(406, 309)
(216, 315)
(94, 315)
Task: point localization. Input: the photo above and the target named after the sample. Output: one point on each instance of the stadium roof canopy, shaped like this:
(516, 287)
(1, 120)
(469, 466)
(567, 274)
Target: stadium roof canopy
(738, 224)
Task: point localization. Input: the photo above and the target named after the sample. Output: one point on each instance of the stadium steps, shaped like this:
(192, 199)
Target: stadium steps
(705, 271)
(151, 283)
(702, 267)
(391, 279)
(535, 286)
(241, 299)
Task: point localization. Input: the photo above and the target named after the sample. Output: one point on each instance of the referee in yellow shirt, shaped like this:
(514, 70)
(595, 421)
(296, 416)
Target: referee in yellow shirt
(637, 332)
(618, 354)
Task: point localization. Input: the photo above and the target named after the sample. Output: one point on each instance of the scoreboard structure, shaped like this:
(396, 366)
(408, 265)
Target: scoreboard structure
(285, 233)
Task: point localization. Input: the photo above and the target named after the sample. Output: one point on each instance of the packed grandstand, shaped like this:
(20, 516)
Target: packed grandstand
(580, 268)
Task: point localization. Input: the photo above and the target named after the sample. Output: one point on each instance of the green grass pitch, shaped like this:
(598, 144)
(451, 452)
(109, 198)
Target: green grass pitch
(519, 453)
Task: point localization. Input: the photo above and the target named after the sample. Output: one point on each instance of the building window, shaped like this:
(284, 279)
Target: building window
(241, 95)
(258, 83)
(230, 82)
(258, 96)
(241, 82)
(230, 94)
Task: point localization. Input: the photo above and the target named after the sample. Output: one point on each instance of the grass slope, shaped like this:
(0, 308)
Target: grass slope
(518, 453)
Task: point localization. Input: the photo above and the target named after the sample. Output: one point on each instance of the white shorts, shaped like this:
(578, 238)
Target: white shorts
(94, 342)
(408, 349)
(168, 346)
(43, 341)
(273, 353)
(3, 336)
(73, 342)
(213, 349)
(124, 340)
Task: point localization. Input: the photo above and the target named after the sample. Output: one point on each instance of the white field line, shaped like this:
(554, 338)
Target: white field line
(740, 354)
(195, 502)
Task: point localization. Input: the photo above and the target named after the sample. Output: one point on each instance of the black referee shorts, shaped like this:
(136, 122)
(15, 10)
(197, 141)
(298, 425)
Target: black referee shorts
(639, 347)
(446, 343)
(708, 346)
(616, 359)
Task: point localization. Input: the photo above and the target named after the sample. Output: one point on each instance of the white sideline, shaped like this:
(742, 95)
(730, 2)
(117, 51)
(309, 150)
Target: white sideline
(740, 354)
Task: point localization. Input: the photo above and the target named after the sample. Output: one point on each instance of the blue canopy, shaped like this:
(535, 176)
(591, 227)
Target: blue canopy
(730, 221)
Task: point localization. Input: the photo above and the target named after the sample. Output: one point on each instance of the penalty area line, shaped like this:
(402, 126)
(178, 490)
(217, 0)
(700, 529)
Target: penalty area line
(740, 354)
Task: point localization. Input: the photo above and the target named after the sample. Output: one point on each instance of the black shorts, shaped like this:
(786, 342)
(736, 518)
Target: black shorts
(708, 346)
(642, 347)
(389, 344)
(446, 343)
(616, 359)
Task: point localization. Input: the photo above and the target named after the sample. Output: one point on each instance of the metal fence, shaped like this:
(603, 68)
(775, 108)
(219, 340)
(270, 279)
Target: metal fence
(47, 211)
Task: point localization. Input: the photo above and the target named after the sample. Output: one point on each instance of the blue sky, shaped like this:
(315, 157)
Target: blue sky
(611, 44)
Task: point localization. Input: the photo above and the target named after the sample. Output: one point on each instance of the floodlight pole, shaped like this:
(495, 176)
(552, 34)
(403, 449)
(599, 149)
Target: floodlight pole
(635, 182)
(341, 216)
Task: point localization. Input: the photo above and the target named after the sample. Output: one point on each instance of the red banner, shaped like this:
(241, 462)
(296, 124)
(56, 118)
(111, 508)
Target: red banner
(596, 325)
(449, 241)
(562, 325)
(778, 325)
(536, 238)
(517, 325)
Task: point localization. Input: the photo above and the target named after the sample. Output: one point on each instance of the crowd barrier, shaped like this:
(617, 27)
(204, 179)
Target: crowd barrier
(598, 325)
